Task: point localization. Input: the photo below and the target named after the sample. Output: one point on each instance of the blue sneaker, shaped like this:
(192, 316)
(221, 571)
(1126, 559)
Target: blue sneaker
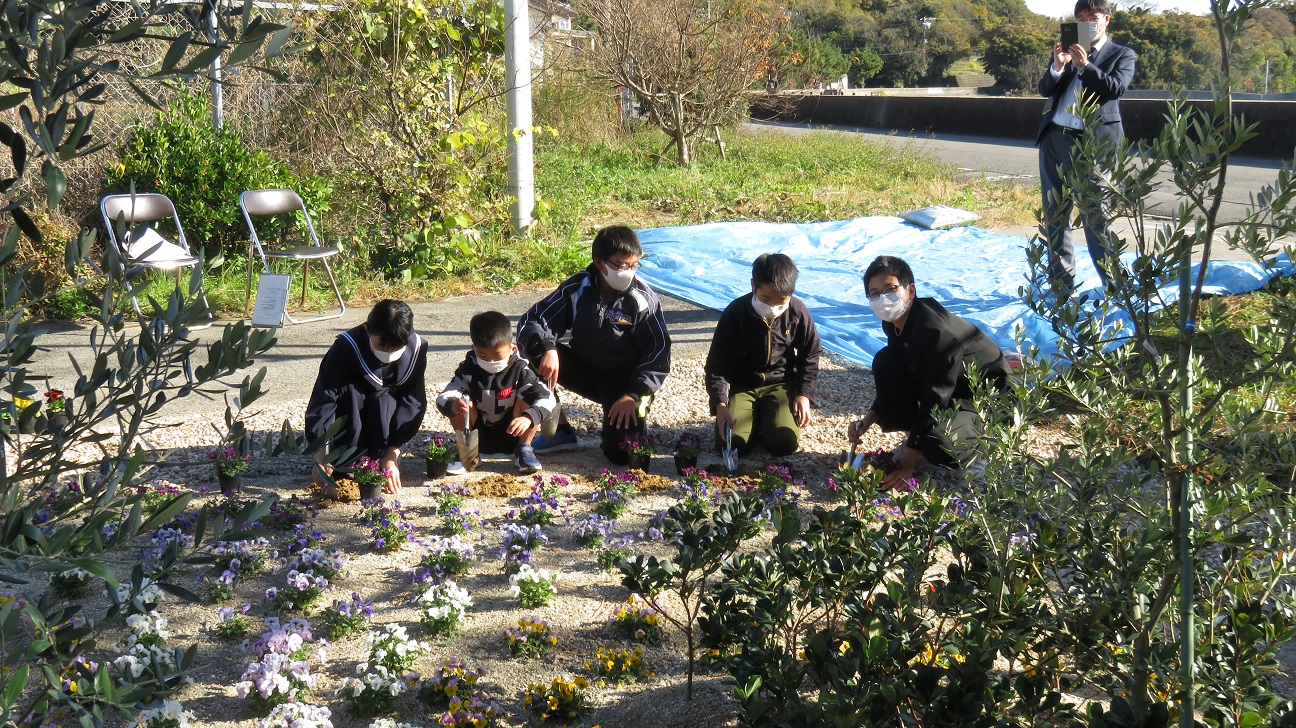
(526, 461)
(563, 439)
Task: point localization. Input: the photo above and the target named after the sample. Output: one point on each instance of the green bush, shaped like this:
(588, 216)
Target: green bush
(203, 170)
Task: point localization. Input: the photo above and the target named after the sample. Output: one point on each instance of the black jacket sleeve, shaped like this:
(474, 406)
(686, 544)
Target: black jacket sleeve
(804, 380)
(1110, 85)
(460, 386)
(720, 359)
(546, 321)
(411, 403)
(334, 377)
(654, 345)
(942, 352)
(539, 398)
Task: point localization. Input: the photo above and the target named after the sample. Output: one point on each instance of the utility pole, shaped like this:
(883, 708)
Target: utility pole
(517, 75)
(214, 82)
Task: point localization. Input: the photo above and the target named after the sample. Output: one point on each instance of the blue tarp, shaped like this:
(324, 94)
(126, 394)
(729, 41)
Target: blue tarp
(973, 272)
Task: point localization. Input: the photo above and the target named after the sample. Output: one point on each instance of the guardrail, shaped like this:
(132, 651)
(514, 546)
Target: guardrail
(1012, 117)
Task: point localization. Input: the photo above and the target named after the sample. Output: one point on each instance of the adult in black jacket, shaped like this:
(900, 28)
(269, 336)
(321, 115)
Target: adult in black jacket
(762, 371)
(373, 376)
(923, 367)
(619, 352)
(1102, 73)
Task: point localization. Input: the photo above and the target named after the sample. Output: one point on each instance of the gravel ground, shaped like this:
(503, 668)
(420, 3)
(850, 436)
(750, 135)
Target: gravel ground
(586, 597)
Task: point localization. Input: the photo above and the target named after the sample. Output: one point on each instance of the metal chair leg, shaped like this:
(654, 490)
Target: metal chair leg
(328, 270)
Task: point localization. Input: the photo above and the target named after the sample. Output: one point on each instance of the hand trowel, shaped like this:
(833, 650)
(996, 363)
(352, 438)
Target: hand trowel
(468, 441)
(729, 454)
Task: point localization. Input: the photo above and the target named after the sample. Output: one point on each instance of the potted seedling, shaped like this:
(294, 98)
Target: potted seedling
(441, 451)
(56, 405)
(639, 449)
(229, 469)
(370, 476)
(26, 425)
(687, 449)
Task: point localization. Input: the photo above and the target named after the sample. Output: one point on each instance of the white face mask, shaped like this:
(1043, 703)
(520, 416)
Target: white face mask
(768, 312)
(617, 280)
(494, 367)
(388, 357)
(890, 306)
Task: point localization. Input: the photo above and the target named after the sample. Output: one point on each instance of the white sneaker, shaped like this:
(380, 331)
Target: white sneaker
(456, 468)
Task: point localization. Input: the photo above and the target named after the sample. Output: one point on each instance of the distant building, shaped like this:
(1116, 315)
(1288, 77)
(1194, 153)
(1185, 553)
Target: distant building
(554, 28)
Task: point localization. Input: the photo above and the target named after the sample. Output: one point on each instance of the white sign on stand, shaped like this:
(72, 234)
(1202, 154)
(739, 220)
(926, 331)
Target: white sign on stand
(271, 300)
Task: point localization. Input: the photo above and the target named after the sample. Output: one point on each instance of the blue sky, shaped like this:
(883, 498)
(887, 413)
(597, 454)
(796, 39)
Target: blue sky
(1062, 8)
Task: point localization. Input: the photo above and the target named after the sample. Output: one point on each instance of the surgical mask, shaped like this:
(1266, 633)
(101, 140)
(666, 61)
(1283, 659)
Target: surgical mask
(388, 357)
(618, 280)
(890, 306)
(494, 367)
(768, 312)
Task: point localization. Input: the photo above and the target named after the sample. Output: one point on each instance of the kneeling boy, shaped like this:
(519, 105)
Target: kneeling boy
(763, 368)
(495, 392)
(619, 352)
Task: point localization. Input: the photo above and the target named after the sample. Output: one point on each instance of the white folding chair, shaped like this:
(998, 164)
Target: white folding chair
(279, 202)
(140, 245)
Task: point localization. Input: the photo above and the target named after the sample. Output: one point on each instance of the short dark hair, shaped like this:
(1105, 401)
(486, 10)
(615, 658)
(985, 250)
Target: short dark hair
(777, 270)
(889, 265)
(615, 239)
(1097, 6)
(391, 321)
(490, 329)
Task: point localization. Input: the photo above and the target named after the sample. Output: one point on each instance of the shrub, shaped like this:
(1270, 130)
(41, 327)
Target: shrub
(533, 587)
(373, 692)
(347, 619)
(561, 700)
(442, 607)
(203, 169)
(532, 638)
(619, 666)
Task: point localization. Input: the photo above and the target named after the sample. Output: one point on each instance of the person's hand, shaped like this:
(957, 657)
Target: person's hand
(548, 369)
(801, 410)
(895, 480)
(326, 467)
(460, 406)
(622, 415)
(1079, 57)
(390, 462)
(855, 430)
(518, 426)
(724, 418)
(1061, 57)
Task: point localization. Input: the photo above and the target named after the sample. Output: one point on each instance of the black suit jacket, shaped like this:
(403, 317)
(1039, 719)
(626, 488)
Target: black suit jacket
(1108, 75)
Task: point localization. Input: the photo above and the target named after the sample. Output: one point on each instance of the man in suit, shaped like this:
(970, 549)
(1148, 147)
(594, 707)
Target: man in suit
(1102, 71)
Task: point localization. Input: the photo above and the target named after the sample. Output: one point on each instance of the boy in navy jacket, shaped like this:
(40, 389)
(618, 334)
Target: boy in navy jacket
(619, 352)
(496, 392)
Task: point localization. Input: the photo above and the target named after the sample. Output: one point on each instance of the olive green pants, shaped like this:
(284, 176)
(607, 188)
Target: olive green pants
(764, 415)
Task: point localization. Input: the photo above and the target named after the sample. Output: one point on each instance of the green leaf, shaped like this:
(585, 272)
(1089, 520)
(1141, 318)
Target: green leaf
(55, 184)
(8, 101)
(17, 681)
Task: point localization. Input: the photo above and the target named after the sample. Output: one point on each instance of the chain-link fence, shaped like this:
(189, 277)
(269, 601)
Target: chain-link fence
(248, 106)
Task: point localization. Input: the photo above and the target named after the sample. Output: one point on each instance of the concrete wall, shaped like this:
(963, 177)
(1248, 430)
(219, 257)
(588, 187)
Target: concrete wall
(1019, 118)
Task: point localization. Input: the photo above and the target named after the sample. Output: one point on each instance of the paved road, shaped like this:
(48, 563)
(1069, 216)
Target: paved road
(1018, 162)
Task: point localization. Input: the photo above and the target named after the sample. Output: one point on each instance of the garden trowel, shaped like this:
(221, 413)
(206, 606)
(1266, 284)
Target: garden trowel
(729, 454)
(468, 441)
(848, 458)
